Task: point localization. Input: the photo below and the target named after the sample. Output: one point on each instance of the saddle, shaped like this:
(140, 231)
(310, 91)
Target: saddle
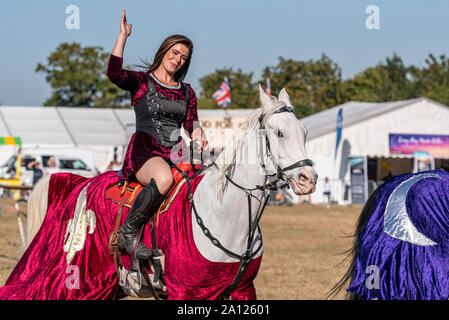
(131, 280)
(129, 190)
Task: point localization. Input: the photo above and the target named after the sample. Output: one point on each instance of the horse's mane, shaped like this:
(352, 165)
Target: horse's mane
(237, 142)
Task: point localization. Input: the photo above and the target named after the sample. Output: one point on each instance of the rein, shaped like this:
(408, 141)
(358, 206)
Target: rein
(266, 189)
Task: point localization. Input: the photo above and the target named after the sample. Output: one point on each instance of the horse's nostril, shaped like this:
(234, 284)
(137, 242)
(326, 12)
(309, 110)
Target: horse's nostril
(308, 177)
(303, 178)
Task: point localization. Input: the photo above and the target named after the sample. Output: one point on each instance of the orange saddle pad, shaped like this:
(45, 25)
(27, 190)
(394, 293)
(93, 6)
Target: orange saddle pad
(127, 193)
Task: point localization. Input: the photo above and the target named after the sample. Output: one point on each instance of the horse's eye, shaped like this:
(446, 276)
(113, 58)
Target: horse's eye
(280, 134)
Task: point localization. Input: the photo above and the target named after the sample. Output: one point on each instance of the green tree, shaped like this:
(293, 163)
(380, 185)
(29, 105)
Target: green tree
(387, 81)
(243, 91)
(313, 86)
(78, 77)
(432, 80)
(316, 85)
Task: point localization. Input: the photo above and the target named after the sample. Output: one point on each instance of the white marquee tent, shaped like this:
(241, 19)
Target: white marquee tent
(365, 133)
(103, 130)
(61, 127)
(366, 127)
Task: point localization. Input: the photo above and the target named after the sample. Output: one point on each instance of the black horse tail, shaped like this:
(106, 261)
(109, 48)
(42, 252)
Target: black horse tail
(353, 252)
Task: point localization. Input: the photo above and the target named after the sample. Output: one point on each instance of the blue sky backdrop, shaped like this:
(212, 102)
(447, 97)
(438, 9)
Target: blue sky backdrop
(246, 34)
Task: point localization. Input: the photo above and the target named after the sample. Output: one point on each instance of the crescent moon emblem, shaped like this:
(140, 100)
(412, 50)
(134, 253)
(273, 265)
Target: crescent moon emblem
(397, 223)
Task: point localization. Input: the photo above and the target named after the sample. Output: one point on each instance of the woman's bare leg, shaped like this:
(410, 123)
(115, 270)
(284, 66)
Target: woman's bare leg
(158, 169)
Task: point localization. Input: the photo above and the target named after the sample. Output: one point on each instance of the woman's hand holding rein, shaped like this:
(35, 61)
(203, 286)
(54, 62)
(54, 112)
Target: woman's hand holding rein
(199, 136)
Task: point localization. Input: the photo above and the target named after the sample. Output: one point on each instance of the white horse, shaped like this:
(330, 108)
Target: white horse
(271, 143)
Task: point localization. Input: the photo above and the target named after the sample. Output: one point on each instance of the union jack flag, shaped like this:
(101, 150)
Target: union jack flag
(223, 94)
(268, 90)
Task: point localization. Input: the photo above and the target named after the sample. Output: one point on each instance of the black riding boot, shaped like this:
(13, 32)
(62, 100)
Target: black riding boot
(142, 210)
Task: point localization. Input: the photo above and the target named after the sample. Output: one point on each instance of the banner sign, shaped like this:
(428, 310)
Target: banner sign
(434, 145)
(359, 180)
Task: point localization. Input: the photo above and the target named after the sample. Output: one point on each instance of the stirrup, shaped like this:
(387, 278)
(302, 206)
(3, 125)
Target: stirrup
(124, 282)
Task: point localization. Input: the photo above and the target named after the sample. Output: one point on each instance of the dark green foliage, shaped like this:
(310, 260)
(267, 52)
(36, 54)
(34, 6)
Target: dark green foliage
(243, 91)
(313, 86)
(316, 85)
(78, 78)
(387, 81)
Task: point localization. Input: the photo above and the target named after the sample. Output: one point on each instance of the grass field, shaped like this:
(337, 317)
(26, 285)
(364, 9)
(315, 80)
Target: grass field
(303, 249)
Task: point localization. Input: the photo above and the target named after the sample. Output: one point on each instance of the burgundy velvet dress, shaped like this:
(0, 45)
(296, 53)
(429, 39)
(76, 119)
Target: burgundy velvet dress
(143, 146)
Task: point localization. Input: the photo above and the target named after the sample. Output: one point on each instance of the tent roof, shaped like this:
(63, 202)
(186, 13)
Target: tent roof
(325, 122)
(107, 126)
(34, 125)
(79, 126)
(62, 125)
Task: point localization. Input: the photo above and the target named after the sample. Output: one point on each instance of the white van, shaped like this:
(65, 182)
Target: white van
(73, 160)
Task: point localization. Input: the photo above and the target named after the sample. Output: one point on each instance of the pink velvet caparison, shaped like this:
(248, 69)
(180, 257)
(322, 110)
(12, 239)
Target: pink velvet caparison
(44, 273)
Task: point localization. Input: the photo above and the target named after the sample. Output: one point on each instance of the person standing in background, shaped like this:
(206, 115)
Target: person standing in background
(51, 166)
(37, 172)
(327, 191)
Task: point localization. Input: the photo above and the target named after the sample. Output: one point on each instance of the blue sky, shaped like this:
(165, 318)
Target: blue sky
(246, 34)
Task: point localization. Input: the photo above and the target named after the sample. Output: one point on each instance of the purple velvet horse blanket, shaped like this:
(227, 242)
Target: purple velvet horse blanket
(69, 256)
(404, 246)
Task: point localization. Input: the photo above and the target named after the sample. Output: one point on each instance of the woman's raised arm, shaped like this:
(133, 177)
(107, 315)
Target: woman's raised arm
(125, 32)
(127, 80)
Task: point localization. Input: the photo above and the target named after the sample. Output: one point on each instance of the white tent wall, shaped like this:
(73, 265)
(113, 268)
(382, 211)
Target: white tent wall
(99, 130)
(38, 125)
(105, 131)
(370, 137)
(324, 168)
(366, 127)
(221, 125)
(94, 126)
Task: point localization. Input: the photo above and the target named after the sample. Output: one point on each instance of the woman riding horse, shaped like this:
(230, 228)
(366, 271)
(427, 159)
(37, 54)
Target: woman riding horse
(162, 102)
(212, 243)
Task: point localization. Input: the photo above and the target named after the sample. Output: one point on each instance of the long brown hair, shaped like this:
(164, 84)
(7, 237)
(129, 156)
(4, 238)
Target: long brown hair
(165, 46)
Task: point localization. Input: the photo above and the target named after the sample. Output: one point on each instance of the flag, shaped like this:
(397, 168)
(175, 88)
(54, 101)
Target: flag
(223, 94)
(11, 141)
(339, 127)
(268, 87)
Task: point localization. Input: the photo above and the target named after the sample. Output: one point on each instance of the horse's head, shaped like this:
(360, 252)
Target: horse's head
(285, 143)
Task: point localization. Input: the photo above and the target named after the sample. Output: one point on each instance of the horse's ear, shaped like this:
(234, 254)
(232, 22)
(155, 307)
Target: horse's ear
(265, 99)
(283, 97)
